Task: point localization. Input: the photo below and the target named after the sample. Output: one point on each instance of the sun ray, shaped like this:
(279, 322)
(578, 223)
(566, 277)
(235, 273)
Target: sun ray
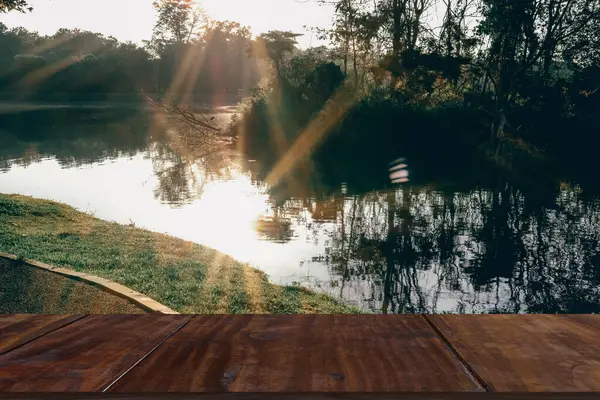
(315, 132)
(36, 77)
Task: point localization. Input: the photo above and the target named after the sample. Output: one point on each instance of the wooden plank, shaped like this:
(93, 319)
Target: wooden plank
(87, 355)
(527, 353)
(17, 329)
(299, 353)
(304, 396)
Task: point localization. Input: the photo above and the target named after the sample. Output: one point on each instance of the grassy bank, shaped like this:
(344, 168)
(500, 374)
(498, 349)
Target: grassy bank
(184, 276)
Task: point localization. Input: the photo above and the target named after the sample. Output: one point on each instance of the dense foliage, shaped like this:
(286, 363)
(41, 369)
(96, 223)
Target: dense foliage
(516, 79)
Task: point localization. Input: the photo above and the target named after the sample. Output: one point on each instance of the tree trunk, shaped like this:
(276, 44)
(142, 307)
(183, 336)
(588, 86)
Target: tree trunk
(354, 63)
(397, 11)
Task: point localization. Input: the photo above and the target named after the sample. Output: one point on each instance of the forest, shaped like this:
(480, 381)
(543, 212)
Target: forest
(513, 81)
(492, 105)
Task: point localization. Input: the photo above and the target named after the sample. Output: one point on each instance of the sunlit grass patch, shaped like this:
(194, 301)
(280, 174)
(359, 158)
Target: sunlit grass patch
(184, 276)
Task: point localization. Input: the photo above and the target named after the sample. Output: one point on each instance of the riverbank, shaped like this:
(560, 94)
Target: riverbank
(184, 276)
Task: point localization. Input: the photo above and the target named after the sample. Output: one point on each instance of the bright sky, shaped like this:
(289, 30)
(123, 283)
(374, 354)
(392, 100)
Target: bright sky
(134, 19)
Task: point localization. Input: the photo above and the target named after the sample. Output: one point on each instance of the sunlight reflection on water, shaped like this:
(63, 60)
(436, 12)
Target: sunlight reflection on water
(229, 210)
(225, 216)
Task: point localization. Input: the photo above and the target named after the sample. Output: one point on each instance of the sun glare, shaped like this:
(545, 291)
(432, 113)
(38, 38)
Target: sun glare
(229, 210)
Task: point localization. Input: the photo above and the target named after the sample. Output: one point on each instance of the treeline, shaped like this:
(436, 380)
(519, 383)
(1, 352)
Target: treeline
(78, 65)
(70, 65)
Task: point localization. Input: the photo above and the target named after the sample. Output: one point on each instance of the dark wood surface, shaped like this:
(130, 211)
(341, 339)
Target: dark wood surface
(527, 353)
(301, 353)
(303, 396)
(86, 355)
(18, 329)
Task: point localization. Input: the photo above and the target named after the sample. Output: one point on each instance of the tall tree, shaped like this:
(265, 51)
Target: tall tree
(179, 21)
(454, 38)
(225, 65)
(355, 35)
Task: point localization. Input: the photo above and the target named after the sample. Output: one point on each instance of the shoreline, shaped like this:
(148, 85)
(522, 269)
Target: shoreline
(10, 106)
(183, 276)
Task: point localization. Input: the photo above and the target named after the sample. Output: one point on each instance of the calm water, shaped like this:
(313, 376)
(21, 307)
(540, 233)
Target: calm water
(439, 246)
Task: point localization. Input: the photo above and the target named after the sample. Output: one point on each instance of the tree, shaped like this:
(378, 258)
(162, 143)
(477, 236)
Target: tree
(344, 28)
(71, 64)
(322, 82)
(357, 37)
(454, 39)
(302, 62)
(274, 45)
(14, 5)
(526, 38)
(179, 21)
(225, 65)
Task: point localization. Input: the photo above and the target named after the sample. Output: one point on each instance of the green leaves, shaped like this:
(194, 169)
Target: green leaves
(14, 5)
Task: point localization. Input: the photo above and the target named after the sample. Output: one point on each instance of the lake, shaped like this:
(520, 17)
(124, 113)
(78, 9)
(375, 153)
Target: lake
(457, 244)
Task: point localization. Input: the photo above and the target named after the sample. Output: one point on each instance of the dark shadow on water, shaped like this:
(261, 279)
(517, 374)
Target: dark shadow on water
(72, 137)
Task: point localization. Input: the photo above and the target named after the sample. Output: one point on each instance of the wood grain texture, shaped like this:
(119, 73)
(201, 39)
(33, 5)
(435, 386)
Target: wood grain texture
(17, 329)
(304, 396)
(87, 355)
(300, 353)
(528, 353)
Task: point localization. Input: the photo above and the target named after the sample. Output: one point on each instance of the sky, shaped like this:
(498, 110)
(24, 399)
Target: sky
(133, 20)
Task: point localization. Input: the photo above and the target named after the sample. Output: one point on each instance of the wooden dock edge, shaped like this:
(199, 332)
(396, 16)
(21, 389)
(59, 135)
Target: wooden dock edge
(117, 289)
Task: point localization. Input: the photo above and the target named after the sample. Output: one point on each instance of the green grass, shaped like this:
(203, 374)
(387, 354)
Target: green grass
(184, 276)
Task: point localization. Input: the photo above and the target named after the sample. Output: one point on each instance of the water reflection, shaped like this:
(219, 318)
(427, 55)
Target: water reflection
(29, 137)
(460, 247)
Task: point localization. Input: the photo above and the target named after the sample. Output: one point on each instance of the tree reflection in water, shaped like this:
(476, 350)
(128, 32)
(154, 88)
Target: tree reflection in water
(423, 248)
(418, 249)
(74, 138)
(467, 247)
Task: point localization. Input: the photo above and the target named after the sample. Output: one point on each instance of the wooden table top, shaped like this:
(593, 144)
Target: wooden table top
(299, 353)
